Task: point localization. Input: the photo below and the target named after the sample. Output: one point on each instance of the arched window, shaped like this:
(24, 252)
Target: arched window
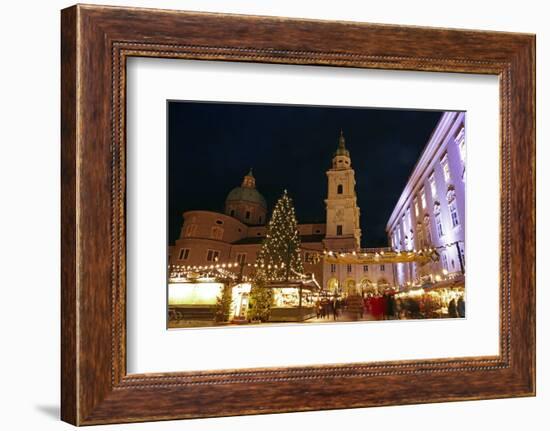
(340, 189)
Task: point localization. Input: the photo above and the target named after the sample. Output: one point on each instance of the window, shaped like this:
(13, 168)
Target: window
(446, 169)
(216, 233)
(339, 230)
(190, 229)
(365, 268)
(433, 188)
(332, 267)
(184, 254)
(260, 219)
(427, 228)
(438, 225)
(423, 198)
(416, 210)
(340, 189)
(420, 235)
(445, 261)
(219, 222)
(382, 267)
(247, 215)
(454, 213)
(232, 213)
(349, 267)
(309, 257)
(241, 258)
(212, 255)
(461, 143)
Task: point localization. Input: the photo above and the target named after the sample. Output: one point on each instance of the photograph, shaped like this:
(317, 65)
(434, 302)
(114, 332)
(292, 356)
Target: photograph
(297, 214)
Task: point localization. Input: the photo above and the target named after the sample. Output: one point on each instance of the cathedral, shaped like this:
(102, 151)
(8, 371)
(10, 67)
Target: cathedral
(209, 237)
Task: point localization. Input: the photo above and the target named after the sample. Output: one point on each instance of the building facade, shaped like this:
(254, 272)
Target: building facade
(236, 235)
(430, 214)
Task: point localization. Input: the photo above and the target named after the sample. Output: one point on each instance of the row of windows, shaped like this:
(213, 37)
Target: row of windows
(420, 203)
(349, 267)
(247, 215)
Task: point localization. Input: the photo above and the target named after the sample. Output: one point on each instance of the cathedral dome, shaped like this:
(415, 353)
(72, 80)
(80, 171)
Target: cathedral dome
(245, 203)
(246, 194)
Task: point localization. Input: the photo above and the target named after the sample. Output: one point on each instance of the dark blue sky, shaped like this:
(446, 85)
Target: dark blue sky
(211, 146)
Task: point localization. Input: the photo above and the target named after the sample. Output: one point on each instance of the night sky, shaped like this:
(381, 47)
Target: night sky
(211, 146)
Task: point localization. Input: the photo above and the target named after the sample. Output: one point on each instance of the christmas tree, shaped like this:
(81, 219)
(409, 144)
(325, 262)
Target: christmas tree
(279, 258)
(223, 305)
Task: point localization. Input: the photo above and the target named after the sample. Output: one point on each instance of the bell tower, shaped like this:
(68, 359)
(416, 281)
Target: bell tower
(343, 231)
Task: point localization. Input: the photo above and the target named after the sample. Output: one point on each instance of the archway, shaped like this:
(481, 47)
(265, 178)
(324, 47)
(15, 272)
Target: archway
(332, 285)
(383, 284)
(350, 287)
(368, 287)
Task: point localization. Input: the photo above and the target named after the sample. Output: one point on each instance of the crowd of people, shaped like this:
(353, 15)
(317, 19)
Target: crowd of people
(388, 306)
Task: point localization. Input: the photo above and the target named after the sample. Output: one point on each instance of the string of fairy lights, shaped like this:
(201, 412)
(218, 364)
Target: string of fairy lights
(235, 270)
(280, 255)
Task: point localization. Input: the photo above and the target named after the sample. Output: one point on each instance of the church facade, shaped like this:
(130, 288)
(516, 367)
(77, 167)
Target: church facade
(235, 236)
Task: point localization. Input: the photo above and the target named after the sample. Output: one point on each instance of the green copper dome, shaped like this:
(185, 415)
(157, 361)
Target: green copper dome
(246, 194)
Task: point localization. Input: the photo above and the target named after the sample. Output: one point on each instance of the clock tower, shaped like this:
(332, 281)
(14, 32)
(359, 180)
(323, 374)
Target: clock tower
(343, 231)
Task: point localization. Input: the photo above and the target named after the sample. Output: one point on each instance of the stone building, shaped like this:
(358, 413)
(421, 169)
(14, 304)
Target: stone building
(431, 213)
(208, 237)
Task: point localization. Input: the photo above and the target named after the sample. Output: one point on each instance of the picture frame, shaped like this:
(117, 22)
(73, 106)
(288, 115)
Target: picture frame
(96, 42)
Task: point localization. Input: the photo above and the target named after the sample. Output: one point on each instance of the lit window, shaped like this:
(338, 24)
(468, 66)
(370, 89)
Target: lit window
(212, 255)
(446, 169)
(190, 229)
(423, 198)
(438, 225)
(461, 143)
(416, 210)
(454, 213)
(432, 185)
(427, 228)
(339, 230)
(445, 261)
(420, 234)
(216, 233)
(184, 254)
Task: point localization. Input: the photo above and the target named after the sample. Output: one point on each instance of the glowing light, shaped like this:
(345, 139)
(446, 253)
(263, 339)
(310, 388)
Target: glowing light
(194, 293)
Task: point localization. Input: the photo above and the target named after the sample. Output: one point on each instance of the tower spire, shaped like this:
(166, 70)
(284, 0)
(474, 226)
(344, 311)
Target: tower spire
(342, 141)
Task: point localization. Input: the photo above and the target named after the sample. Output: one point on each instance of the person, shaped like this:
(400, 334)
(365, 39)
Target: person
(461, 307)
(335, 306)
(452, 308)
(390, 306)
